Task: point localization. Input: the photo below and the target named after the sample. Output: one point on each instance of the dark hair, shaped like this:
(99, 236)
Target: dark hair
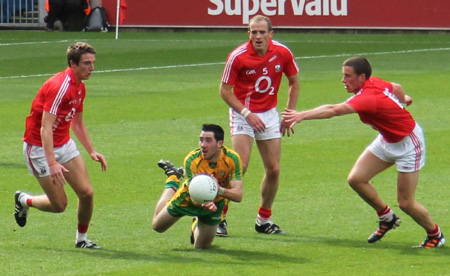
(261, 18)
(218, 131)
(361, 66)
(76, 50)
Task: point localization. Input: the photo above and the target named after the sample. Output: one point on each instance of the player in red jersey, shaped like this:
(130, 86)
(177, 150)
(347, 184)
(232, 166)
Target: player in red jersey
(400, 141)
(250, 84)
(51, 155)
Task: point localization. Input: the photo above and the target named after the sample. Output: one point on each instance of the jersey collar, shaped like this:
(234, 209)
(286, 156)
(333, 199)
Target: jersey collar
(252, 51)
(70, 72)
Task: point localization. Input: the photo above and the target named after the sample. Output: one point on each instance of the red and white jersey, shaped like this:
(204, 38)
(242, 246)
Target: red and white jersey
(61, 96)
(256, 79)
(378, 107)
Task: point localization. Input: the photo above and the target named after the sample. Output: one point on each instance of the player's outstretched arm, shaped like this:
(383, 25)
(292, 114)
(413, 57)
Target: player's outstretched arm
(322, 112)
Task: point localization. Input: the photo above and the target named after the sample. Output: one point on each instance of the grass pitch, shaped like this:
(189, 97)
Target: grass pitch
(147, 100)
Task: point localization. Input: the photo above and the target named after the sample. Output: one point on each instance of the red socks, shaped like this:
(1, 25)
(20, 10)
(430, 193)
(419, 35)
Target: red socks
(436, 233)
(264, 214)
(82, 229)
(386, 214)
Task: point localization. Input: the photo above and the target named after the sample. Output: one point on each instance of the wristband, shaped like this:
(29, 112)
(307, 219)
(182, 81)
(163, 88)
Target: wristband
(245, 112)
(220, 191)
(52, 163)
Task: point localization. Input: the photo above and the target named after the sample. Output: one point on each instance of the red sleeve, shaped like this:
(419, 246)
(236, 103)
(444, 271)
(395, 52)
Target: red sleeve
(230, 73)
(291, 67)
(49, 92)
(363, 103)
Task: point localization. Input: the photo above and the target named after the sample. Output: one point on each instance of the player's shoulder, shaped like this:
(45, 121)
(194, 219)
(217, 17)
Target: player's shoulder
(230, 154)
(280, 46)
(192, 156)
(240, 50)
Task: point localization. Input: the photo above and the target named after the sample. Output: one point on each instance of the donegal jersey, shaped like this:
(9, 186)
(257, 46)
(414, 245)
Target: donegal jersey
(256, 79)
(378, 107)
(227, 168)
(61, 96)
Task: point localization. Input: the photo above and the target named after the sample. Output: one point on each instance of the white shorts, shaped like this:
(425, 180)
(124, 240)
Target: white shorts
(408, 154)
(37, 162)
(238, 125)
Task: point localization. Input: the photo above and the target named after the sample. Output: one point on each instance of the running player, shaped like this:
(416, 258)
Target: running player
(400, 141)
(51, 155)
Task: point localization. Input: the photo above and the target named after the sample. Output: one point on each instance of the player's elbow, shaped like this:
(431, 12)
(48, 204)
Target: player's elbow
(237, 198)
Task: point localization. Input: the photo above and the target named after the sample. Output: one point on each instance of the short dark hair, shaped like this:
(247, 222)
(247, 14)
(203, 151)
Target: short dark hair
(76, 50)
(361, 66)
(216, 129)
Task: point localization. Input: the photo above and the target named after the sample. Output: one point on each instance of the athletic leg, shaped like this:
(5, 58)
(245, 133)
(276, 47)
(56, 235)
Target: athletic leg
(204, 235)
(406, 187)
(366, 167)
(163, 221)
(242, 144)
(270, 154)
(78, 179)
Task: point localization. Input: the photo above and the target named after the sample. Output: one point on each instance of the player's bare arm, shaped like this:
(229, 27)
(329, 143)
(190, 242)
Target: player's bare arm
(56, 170)
(80, 130)
(293, 92)
(322, 112)
(226, 92)
(235, 193)
(398, 91)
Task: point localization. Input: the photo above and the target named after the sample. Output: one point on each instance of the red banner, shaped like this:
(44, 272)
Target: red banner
(374, 14)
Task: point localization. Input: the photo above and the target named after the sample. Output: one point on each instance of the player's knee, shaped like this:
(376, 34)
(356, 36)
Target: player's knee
(86, 194)
(406, 205)
(59, 207)
(354, 182)
(202, 246)
(273, 172)
(156, 227)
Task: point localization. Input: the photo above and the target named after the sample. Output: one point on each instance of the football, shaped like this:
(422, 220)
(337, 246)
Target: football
(203, 188)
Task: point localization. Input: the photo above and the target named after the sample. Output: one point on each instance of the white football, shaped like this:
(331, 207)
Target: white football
(203, 188)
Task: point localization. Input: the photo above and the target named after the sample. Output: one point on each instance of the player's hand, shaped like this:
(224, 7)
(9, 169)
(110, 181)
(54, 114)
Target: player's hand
(99, 158)
(256, 122)
(57, 173)
(286, 128)
(291, 117)
(408, 100)
(210, 206)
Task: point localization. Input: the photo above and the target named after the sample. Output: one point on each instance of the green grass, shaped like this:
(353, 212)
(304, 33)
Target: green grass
(147, 100)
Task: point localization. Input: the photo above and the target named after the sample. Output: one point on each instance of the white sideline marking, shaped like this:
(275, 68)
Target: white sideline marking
(221, 63)
(32, 43)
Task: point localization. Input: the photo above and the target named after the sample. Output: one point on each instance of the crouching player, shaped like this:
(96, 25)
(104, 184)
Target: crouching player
(212, 158)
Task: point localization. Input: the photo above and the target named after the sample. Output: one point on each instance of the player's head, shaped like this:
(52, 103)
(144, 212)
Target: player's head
(211, 141)
(361, 66)
(216, 129)
(355, 72)
(76, 50)
(258, 18)
(81, 58)
(259, 32)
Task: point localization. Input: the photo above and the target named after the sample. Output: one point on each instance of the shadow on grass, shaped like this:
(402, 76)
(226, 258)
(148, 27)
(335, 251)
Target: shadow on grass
(252, 256)
(402, 247)
(12, 165)
(189, 255)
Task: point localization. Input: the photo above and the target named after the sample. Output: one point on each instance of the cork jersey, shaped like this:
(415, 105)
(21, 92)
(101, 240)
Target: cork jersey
(256, 79)
(378, 107)
(61, 96)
